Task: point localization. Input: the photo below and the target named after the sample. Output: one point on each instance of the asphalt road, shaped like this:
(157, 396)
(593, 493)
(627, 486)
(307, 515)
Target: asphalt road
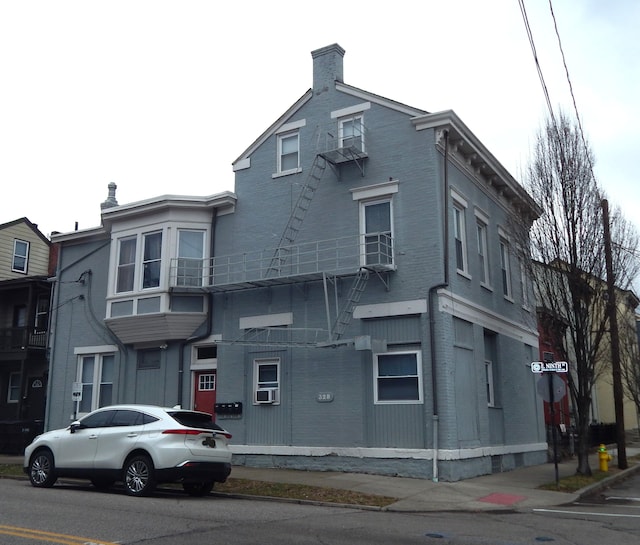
(71, 514)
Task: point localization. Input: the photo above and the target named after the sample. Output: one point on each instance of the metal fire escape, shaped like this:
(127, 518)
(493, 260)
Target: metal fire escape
(298, 214)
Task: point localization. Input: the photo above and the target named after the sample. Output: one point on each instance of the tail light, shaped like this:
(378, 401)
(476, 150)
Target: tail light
(196, 432)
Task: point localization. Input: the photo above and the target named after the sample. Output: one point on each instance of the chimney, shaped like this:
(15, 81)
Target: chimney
(111, 199)
(327, 67)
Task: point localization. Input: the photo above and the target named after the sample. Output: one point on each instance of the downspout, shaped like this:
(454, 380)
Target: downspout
(207, 333)
(432, 299)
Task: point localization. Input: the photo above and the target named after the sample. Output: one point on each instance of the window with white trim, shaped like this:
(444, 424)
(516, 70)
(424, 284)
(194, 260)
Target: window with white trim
(13, 390)
(377, 232)
(266, 379)
(351, 132)
(488, 373)
(151, 260)
(126, 264)
(288, 151)
(20, 256)
(459, 235)
(505, 267)
(397, 377)
(139, 272)
(483, 254)
(95, 372)
(190, 257)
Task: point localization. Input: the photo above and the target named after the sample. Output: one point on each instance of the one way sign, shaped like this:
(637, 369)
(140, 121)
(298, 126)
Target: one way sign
(549, 367)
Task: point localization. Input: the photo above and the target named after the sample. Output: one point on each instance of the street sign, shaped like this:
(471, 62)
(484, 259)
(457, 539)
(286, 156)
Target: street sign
(549, 367)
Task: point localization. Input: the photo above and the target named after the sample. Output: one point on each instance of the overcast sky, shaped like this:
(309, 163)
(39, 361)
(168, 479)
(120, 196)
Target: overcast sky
(160, 97)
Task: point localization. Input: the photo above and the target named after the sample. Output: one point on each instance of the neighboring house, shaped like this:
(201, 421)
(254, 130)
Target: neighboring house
(603, 405)
(25, 264)
(358, 304)
(554, 345)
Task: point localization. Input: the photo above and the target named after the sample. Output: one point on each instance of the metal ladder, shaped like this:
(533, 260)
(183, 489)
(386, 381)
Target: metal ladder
(346, 312)
(298, 214)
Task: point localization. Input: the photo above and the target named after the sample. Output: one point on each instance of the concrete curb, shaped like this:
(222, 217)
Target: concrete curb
(608, 481)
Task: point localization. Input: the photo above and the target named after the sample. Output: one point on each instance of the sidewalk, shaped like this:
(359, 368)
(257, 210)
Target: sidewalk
(509, 491)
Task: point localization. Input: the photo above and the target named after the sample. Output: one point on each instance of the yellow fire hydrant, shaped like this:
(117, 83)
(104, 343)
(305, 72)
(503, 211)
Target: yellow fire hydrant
(604, 457)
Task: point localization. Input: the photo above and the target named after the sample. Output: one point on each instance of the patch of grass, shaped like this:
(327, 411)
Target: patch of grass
(576, 482)
(269, 489)
(11, 470)
(301, 492)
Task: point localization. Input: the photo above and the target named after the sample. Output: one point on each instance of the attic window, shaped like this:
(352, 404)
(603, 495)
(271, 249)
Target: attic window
(288, 152)
(20, 256)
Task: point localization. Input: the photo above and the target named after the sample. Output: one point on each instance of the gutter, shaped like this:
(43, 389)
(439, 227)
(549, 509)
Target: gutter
(432, 299)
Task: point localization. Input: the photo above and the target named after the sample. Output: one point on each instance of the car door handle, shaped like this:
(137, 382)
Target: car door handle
(132, 434)
(93, 436)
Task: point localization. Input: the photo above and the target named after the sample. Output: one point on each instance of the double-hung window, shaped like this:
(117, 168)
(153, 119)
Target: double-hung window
(136, 272)
(505, 267)
(288, 151)
(488, 369)
(351, 131)
(459, 236)
(398, 377)
(20, 256)
(13, 391)
(126, 264)
(190, 257)
(483, 255)
(377, 228)
(95, 373)
(151, 260)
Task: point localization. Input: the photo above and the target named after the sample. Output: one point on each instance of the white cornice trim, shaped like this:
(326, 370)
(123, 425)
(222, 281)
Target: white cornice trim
(467, 310)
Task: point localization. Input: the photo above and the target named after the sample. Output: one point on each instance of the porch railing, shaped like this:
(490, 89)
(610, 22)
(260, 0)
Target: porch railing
(19, 338)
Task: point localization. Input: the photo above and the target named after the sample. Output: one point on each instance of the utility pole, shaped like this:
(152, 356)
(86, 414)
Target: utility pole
(615, 341)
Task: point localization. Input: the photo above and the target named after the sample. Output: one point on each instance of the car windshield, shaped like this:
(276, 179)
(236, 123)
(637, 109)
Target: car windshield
(195, 420)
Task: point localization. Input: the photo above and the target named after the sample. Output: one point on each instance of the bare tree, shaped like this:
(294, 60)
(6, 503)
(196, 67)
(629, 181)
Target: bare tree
(568, 258)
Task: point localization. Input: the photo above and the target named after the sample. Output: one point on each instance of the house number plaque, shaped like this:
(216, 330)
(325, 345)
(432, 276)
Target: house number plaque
(324, 397)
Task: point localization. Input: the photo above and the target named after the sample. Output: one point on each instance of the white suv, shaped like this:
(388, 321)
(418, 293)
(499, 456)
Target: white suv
(139, 445)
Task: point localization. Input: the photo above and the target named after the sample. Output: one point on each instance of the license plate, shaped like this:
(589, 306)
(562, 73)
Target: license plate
(209, 442)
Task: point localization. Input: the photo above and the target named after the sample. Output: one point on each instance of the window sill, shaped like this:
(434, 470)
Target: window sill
(487, 287)
(464, 274)
(286, 173)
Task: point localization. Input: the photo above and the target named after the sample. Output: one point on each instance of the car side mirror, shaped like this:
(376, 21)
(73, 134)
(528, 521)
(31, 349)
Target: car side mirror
(74, 426)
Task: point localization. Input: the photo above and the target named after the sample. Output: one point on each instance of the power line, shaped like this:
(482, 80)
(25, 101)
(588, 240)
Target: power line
(573, 98)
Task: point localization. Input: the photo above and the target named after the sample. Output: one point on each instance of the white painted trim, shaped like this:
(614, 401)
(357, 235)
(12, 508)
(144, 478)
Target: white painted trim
(292, 126)
(467, 310)
(350, 110)
(386, 453)
(377, 190)
(398, 308)
(462, 201)
(100, 349)
(266, 320)
(242, 164)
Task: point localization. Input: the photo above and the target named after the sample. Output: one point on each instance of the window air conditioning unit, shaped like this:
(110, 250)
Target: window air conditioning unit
(265, 396)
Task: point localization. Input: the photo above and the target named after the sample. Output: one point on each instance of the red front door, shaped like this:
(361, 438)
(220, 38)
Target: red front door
(205, 392)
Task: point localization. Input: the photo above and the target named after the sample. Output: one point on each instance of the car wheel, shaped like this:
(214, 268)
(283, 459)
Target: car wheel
(42, 473)
(198, 489)
(139, 477)
(102, 484)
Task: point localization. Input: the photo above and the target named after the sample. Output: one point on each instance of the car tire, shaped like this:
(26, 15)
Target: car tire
(198, 490)
(42, 471)
(138, 476)
(102, 484)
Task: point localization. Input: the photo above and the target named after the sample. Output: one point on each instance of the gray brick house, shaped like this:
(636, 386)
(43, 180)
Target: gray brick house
(357, 304)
